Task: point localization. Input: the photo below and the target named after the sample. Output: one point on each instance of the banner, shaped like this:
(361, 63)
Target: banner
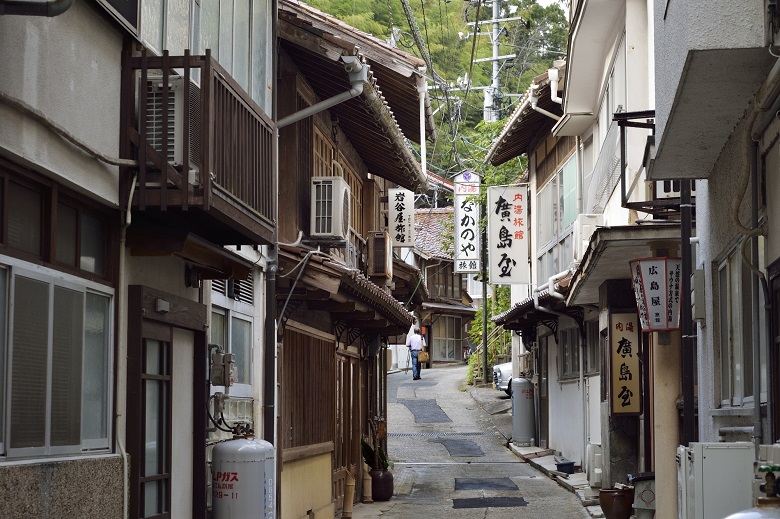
(467, 235)
(401, 217)
(507, 235)
(625, 379)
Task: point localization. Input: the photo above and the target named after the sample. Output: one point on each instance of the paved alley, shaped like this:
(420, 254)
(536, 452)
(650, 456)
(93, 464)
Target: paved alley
(451, 458)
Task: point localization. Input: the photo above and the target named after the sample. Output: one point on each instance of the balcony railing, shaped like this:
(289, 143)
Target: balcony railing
(205, 149)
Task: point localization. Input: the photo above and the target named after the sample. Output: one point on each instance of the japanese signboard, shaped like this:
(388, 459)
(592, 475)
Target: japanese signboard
(507, 234)
(467, 242)
(657, 289)
(625, 379)
(400, 222)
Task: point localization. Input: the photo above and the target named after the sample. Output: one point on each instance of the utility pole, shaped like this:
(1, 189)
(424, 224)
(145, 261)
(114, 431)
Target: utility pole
(490, 112)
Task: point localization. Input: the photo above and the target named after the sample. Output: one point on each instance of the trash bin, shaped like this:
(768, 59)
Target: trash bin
(644, 494)
(523, 423)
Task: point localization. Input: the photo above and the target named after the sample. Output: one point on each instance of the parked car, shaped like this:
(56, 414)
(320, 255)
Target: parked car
(502, 377)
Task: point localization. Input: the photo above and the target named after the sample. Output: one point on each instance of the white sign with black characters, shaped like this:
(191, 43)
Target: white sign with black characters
(467, 211)
(400, 222)
(507, 234)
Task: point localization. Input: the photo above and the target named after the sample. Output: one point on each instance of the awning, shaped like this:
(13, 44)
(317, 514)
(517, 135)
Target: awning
(213, 261)
(609, 251)
(410, 287)
(325, 285)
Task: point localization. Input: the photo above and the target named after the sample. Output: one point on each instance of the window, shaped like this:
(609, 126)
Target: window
(735, 326)
(556, 212)
(593, 347)
(231, 329)
(568, 353)
(446, 338)
(155, 481)
(58, 377)
(80, 239)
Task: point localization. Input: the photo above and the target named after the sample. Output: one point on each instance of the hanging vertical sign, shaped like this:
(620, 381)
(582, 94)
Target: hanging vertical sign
(657, 289)
(467, 242)
(401, 217)
(507, 235)
(625, 379)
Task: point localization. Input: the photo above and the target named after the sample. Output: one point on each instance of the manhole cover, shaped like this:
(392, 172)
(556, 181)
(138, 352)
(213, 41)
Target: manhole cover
(485, 484)
(425, 411)
(489, 502)
(460, 448)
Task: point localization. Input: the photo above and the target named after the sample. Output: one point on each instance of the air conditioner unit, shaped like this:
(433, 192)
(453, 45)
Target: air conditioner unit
(176, 107)
(665, 189)
(584, 227)
(330, 208)
(380, 254)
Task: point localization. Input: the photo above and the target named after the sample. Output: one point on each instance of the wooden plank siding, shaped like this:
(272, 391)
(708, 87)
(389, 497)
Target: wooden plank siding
(308, 381)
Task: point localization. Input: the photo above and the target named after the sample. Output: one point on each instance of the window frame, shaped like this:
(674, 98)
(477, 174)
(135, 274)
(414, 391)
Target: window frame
(569, 354)
(592, 348)
(54, 279)
(233, 308)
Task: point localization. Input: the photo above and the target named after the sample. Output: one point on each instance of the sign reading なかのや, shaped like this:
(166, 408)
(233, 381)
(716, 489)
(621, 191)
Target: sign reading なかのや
(400, 222)
(467, 239)
(507, 234)
(625, 378)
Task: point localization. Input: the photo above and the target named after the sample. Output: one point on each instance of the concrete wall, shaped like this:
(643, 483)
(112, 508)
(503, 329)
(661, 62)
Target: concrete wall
(698, 24)
(67, 67)
(84, 488)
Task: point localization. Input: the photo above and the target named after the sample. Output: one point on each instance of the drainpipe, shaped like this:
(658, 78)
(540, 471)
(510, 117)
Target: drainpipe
(271, 424)
(535, 99)
(358, 76)
(553, 74)
(20, 7)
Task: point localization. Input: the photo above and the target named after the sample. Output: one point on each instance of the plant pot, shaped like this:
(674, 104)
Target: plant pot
(381, 484)
(567, 467)
(616, 503)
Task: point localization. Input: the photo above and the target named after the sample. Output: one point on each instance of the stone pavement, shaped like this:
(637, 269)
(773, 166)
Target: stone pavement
(497, 408)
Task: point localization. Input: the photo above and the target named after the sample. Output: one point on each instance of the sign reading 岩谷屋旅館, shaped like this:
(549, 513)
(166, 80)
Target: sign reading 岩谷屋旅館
(507, 234)
(467, 212)
(401, 217)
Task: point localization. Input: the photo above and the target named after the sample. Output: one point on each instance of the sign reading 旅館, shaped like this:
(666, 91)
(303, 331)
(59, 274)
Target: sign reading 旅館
(656, 284)
(467, 239)
(401, 217)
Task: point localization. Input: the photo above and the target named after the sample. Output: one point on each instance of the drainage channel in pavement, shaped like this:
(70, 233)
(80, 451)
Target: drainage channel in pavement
(445, 434)
(489, 502)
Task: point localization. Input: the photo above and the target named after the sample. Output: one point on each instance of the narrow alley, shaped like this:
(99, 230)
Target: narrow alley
(450, 457)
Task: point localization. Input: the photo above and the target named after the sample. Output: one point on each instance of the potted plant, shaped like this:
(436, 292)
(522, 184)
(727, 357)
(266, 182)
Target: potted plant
(381, 476)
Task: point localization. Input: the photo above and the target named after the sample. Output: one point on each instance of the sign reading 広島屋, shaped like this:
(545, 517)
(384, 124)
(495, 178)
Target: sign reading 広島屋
(507, 234)
(625, 379)
(657, 289)
(400, 223)
(467, 242)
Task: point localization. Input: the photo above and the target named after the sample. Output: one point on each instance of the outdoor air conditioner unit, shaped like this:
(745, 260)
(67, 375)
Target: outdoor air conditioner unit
(330, 208)
(584, 227)
(380, 254)
(665, 189)
(176, 107)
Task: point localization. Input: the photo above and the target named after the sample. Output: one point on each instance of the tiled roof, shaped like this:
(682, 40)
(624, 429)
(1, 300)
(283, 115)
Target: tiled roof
(431, 226)
(519, 309)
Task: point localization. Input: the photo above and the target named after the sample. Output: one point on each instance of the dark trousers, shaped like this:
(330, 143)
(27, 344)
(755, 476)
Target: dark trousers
(415, 364)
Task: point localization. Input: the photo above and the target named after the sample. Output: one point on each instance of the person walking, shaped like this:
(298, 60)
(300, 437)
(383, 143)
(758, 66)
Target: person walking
(415, 343)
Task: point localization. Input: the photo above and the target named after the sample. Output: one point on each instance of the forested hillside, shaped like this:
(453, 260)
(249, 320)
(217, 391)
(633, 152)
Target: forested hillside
(442, 33)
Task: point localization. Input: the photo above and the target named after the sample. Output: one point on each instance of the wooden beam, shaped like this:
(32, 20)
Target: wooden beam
(355, 316)
(332, 306)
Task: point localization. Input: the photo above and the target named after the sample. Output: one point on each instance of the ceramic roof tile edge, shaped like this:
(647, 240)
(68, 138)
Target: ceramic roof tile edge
(375, 102)
(522, 109)
(416, 273)
(415, 66)
(422, 244)
(358, 285)
(526, 305)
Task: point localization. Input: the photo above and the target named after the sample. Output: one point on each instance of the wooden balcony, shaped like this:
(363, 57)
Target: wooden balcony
(205, 150)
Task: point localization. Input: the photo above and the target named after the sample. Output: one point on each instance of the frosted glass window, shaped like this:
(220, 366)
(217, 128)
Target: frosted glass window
(226, 34)
(241, 347)
(218, 334)
(67, 347)
(260, 54)
(97, 368)
(93, 237)
(24, 218)
(29, 382)
(568, 192)
(67, 230)
(209, 27)
(153, 23)
(546, 212)
(3, 328)
(241, 28)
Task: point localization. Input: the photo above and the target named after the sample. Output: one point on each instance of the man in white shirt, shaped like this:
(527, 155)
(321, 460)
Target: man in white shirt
(415, 343)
